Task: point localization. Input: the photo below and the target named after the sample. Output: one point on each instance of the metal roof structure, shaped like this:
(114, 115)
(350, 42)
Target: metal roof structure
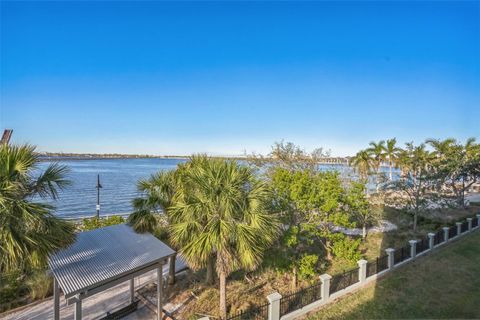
(103, 256)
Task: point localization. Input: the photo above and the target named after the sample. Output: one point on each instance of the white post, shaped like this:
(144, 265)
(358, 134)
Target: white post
(362, 270)
(459, 228)
(391, 261)
(274, 307)
(325, 287)
(445, 233)
(478, 220)
(78, 310)
(159, 291)
(132, 290)
(431, 237)
(56, 300)
(469, 220)
(413, 248)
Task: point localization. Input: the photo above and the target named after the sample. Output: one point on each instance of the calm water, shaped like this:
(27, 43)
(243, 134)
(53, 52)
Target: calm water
(118, 178)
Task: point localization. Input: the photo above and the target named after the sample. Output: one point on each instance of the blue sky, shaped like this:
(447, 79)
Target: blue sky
(177, 78)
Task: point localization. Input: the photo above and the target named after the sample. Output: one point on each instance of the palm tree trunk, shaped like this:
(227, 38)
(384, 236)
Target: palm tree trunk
(223, 295)
(211, 271)
(391, 173)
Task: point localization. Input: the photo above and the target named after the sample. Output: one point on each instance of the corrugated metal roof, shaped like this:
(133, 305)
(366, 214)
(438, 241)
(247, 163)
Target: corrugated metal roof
(103, 255)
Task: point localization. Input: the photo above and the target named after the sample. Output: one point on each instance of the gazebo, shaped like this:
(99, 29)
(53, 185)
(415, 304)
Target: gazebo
(103, 258)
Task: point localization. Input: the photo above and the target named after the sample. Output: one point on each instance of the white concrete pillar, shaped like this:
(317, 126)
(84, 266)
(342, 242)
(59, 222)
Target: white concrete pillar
(413, 248)
(159, 291)
(325, 287)
(431, 238)
(132, 290)
(469, 220)
(478, 220)
(391, 262)
(274, 307)
(56, 300)
(459, 228)
(445, 233)
(78, 310)
(362, 270)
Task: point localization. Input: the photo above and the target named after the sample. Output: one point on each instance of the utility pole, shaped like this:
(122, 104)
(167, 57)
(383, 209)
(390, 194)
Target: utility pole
(98, 195)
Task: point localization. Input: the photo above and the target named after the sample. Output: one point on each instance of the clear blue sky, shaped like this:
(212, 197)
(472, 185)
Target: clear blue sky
(177, 78)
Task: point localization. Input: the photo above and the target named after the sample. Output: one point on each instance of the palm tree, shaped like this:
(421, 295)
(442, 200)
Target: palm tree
(29, 232)
(222, 212)
(159, 190)
(376, 150)
(391, 152)
(362, 162)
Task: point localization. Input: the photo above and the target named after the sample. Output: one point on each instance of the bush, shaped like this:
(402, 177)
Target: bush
(95, 223)
(40, 285)
(347, 249)
(307, 266)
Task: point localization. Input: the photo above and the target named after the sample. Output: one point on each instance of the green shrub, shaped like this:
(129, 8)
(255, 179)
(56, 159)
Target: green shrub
(95, 223)
(347, 249)
(307, 266)
(40, 285)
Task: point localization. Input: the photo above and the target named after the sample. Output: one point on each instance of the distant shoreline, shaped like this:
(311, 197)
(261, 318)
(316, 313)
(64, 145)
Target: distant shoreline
(65, 157)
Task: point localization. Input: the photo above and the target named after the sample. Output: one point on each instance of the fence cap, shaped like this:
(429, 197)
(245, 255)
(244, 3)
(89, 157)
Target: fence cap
(412, 241)
(458, 223)
(478, 215)
(469, 219)
(389, 250)
(446, 228)
(274, 297)
(362, 262)
(325, 277)
(431, 234)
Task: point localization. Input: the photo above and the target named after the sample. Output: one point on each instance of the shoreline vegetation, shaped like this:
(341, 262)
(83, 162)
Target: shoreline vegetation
(249, 230)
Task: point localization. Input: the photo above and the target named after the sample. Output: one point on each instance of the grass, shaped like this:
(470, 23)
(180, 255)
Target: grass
(444, 284)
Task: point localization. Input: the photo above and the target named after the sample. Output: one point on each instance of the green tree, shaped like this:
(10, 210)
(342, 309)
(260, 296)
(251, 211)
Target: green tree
(29, 232)
(311, 204)
(222, 211)
(377, 152)
(416, 181)
(359, 206)
(391, 152)
(457, 166)
(362, 163)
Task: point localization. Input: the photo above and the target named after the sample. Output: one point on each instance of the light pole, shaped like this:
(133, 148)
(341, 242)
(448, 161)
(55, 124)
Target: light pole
(98, 196)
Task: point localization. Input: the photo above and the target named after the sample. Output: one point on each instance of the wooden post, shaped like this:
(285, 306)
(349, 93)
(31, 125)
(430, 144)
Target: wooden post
(171, 270)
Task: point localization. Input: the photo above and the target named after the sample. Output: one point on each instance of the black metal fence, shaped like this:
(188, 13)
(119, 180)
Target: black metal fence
(474, 222)
(377, 265)
(300, 298)
(422, 245)
(464, 227)
(452, 232)
(343, 280)
(258, 313)
(439, 237)
(401, 254)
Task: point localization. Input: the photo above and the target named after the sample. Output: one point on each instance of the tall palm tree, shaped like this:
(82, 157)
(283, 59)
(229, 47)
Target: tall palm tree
(391, 152)
(376, 150)
(29, 232)
(362, 163)
(222, 212)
